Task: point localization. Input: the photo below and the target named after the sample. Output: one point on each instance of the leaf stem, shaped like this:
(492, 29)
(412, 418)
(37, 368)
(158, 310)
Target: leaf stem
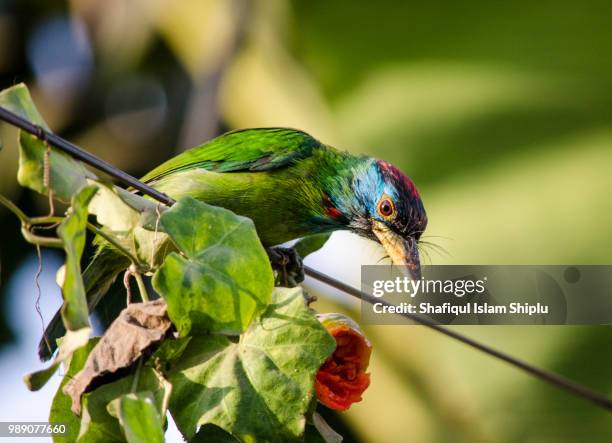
(44, 220)
(49, 242)
(167, 387)
(14, 209)
(93, 228)
(137, 375)
(26, 223)
(109, 238)
(141, 286)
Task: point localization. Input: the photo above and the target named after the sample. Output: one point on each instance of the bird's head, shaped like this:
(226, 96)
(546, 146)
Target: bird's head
(387, 208)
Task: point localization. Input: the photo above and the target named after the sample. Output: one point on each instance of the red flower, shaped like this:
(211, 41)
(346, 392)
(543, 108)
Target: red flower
(342, 378)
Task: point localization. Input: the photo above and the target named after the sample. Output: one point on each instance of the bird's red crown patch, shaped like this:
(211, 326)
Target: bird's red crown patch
(399, 176)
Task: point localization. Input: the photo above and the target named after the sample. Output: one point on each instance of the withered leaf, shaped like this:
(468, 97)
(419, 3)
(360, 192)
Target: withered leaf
(139, 327)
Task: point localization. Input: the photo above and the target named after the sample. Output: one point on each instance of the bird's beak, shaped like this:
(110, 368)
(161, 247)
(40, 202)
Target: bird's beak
(403, 251)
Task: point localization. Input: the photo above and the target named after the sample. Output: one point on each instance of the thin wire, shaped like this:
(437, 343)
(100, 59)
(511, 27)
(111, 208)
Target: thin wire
(542, 374)
(84, 156)
(547, 376)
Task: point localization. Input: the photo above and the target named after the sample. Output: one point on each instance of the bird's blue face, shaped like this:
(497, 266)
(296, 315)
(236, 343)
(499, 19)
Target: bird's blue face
(392, 212)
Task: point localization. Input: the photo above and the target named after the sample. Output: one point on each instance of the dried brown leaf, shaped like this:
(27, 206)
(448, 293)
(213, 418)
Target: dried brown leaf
(139, 327)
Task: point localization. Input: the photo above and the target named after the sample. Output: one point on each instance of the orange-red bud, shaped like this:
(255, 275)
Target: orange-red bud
(342, 379)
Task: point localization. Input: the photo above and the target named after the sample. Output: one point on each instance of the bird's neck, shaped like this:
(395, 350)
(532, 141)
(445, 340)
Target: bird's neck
(335, 172)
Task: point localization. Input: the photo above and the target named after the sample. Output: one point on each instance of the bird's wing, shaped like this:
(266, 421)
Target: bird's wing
(260, 149)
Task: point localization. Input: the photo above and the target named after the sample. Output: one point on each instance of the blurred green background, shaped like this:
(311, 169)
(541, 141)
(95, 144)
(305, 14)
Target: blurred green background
(500, 111)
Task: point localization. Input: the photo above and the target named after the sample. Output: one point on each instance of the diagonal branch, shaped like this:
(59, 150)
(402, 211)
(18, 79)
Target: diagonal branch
(550, 377)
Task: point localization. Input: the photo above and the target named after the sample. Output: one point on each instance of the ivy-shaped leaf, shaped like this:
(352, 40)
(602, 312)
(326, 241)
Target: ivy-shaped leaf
(17, 99)
(66, 176)
(132, 221)
(99, 418)
(225, 279)
(111, 211)
(260, 387)
(139, 418)
(72, 231)
(72, 341)
(60, 408)
(120, 210)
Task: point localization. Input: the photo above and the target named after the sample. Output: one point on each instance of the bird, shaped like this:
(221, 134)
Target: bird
(291, 185)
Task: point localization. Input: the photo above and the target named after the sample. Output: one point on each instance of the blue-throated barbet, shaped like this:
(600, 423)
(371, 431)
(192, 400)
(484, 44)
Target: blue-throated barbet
(290, 185)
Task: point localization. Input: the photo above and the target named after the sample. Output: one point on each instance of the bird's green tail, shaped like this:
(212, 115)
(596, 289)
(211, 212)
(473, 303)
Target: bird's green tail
(98, 276)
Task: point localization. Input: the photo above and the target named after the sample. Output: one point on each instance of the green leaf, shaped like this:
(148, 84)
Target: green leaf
(140, 419)
(132, 221)
(72, 231)
(111, 211)
(72, 341)
(225, 279)
(312, 243)
(17, 99)
(97, 423)
(60, 408)
(260, 387)
(66, 176)
(149, 211)
(171, 349)
(151, 247)
(120, 210)
(210, 433)
(74, 310)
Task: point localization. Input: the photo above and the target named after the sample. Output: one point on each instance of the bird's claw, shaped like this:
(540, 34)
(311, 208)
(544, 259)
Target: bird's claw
(288, 266)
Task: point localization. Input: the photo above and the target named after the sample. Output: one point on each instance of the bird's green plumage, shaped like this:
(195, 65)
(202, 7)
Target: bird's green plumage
(242, 150)
(287, 182)
(278, 177)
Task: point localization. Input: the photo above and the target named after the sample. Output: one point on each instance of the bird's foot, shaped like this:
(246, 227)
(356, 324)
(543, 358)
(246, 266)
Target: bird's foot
(288, 266)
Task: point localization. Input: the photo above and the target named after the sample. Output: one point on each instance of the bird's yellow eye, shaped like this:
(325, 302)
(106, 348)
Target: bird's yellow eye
(386, 208)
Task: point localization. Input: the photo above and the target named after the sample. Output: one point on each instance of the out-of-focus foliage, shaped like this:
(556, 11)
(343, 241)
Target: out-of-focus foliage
(500, 112)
